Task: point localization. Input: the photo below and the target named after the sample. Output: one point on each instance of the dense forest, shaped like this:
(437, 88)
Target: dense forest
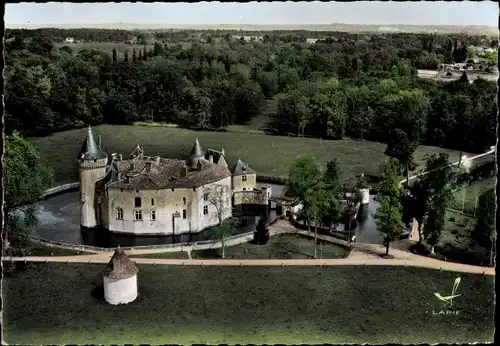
(341, 86)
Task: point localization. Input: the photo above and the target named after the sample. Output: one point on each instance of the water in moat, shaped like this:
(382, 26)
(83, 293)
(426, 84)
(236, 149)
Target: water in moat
(59, 221)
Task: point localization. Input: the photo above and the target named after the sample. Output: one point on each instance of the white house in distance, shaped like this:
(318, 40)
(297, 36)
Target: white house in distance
(146, 195)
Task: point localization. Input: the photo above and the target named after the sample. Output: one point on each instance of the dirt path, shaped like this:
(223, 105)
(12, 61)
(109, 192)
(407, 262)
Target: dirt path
(367, 256)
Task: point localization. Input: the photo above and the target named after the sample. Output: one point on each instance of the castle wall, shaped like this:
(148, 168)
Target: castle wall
(90, 173)
(248, 185)
(166, 204)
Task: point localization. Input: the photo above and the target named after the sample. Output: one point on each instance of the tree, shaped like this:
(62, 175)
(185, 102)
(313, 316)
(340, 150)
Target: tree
(25, 178)
(219, 197)
(125, 56)
(261, 234)
(402, 147)
(314, 207)
(303, 174)
(434, 185)
(388, 217)
(134, 55)
(333, 193)
(114, 55)
(484, 231)
(435, 220)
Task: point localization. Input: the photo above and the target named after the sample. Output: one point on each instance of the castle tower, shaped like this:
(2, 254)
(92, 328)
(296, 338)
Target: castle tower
(196, 155)
(92, 163)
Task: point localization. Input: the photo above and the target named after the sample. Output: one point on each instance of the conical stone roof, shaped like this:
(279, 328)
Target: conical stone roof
(120, 266)
(90, 150)
(197, 151)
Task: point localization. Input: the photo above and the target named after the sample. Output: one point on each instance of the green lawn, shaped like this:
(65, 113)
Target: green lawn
(286, 246)
(456, 243)
(466, 198)
(52, 304)
(270, 155)
(168, 255)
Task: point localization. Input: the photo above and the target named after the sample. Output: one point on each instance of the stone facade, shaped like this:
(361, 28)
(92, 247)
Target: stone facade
(156, 196)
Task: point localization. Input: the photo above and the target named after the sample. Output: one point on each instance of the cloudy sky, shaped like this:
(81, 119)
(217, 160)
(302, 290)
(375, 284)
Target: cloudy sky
(362, 12)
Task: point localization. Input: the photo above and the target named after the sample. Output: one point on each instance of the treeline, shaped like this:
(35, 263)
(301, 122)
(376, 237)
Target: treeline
(353, 86)
(373, 108)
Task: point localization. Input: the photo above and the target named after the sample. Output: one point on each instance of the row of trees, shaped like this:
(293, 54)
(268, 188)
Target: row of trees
(357, 87)
(429, 112)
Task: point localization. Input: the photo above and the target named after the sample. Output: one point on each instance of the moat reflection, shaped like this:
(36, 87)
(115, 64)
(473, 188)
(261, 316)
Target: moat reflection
(59, 221)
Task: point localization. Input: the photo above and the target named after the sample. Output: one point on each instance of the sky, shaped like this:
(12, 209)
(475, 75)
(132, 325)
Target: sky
(362, 12)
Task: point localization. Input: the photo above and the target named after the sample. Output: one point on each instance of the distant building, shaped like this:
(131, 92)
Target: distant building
(146, 195)
(69, 40)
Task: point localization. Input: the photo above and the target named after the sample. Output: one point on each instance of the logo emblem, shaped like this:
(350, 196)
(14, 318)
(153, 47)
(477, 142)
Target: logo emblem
(448, 300)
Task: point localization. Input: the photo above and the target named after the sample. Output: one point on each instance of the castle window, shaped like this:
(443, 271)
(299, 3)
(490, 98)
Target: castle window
(243, 178)
(152, 201)
(244, 189)
(173, 189)
(205, 196)
(153, 215)
(137, 202)
(184, 200)
(138, 215)
(137, 190)
(121, 190)
(205, 210)
(184, 214)
(119, 213)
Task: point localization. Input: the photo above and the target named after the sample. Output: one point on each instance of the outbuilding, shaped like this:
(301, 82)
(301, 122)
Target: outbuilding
(120, 279)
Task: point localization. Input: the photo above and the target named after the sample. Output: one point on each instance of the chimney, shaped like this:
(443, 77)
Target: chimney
(157, 159)
(222, 151)
(211, 158)
(121, 157)
(186, 171)
(114, 156)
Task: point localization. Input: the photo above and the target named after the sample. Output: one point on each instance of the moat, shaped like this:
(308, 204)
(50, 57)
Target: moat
(59, 221)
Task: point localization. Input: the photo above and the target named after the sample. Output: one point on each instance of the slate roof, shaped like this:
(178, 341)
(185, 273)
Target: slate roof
(90, 150)
(216, 155)
(167, 173)
(120, 266)
(242, 168)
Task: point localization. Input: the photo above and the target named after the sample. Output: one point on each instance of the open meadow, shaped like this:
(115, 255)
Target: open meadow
(59, 304)
(268, 155)
(465, 199)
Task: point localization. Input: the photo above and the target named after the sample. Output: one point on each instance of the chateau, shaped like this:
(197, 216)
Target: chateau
(146, 195)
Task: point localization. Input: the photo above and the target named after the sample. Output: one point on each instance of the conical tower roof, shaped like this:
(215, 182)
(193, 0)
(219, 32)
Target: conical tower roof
(197, 151)
(90, 150)
(120, 266)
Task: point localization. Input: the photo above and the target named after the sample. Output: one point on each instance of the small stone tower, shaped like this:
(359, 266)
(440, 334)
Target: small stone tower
(120, 279)
(92, 163)
(196, 155)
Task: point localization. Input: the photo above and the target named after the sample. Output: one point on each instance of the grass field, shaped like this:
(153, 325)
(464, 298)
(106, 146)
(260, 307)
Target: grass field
(286, 246)
(466, 198)
(283, 246)
(456, 243)
(270, 155)
(59, 304)
(168, 255)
